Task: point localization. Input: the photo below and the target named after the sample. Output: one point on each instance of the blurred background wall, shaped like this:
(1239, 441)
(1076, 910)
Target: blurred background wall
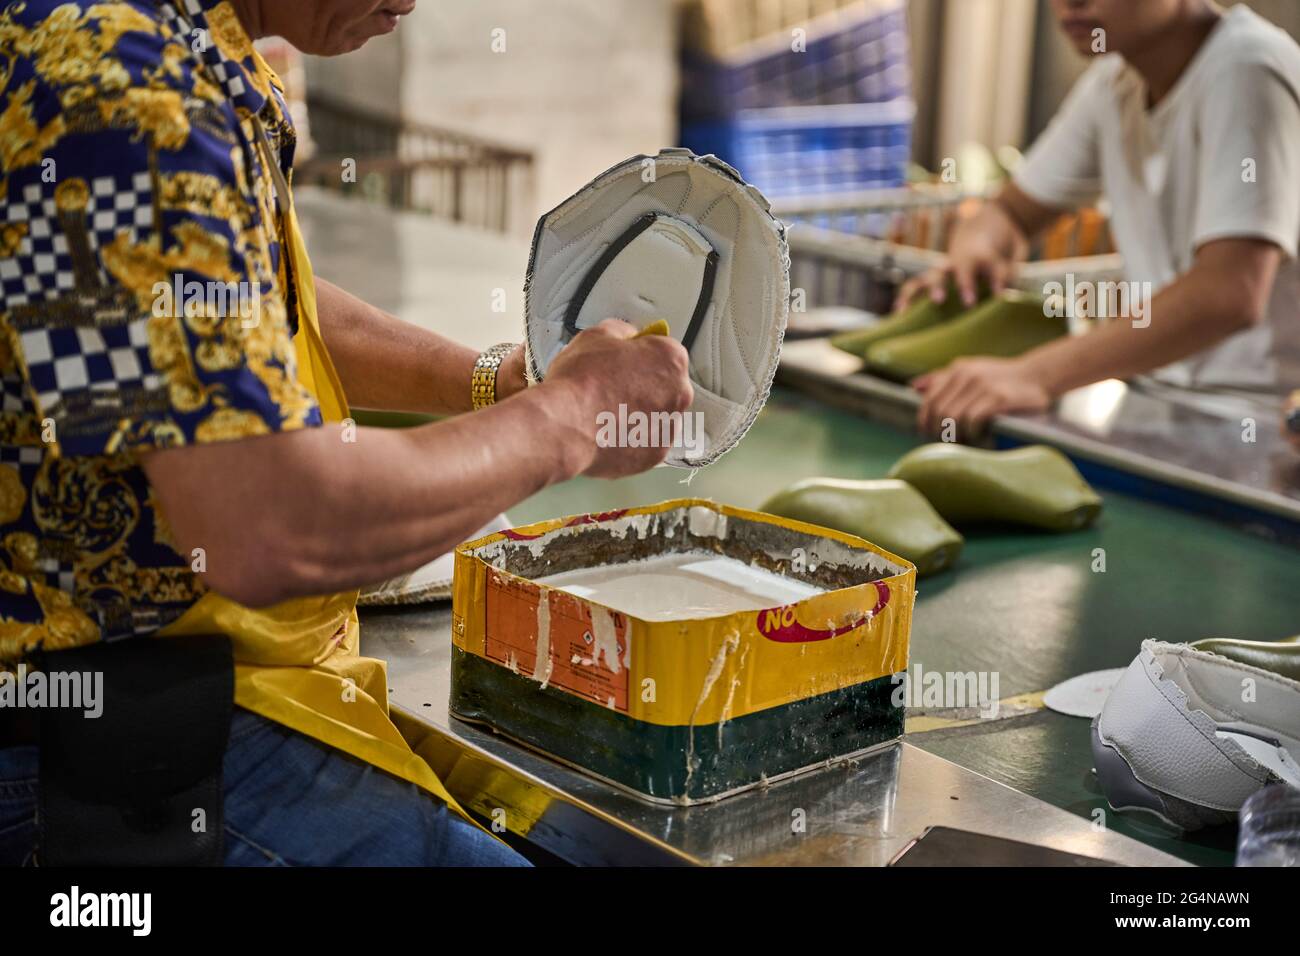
(582, 84)
(370, 79)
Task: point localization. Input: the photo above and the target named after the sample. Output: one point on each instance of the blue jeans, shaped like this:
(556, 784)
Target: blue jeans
(292, 801)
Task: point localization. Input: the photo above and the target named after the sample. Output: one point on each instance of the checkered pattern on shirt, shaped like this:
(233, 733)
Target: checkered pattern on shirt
(41, 268)
(108, 358)
(231, 80)
(67, 359)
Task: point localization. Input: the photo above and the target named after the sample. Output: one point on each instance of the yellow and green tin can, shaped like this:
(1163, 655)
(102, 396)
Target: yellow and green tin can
(682, 711)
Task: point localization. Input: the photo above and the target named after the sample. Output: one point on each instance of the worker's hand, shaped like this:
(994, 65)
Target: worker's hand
(970, 391)
(974, 264)
(984, 250)
(605, 367)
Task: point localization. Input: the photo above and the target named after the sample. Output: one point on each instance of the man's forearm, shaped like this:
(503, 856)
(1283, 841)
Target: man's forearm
(1192, 314)
(386, 363)
(319, 513)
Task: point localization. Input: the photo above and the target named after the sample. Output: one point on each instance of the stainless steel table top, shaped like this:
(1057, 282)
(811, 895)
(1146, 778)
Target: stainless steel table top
(859, 812)
(1225, 447)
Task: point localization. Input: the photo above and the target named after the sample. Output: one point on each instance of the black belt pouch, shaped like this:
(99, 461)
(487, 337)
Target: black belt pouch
(140, 785)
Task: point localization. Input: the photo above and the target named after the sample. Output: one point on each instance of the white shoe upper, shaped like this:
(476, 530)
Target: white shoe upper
(677, 237)
(1192, 724)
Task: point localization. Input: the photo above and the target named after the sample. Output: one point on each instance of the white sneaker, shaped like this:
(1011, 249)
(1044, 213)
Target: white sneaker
(1189, 733)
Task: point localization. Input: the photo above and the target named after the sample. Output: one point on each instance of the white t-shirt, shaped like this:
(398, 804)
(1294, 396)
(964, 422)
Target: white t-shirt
(1180, 174)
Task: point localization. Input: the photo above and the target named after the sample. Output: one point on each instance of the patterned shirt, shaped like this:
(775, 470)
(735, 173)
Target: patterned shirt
(144, 149)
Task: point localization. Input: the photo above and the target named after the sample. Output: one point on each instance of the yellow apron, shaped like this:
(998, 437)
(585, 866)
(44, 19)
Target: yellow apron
(297, 663)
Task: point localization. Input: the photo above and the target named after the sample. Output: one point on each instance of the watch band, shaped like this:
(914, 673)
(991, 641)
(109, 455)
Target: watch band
(483, 383)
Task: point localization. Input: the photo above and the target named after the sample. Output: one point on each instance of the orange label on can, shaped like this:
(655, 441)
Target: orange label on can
(570, 644)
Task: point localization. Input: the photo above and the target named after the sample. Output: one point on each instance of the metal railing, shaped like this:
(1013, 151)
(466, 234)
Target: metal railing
(923, 216)
(415, 166)
(855, 249)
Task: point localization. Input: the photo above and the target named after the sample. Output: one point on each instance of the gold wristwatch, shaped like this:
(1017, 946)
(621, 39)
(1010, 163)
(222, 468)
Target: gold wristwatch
(483, 383)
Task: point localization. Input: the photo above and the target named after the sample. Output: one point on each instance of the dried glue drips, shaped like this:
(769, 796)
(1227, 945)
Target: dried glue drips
(729, 645)
(731, 694)
(542, 668)
(605, 638)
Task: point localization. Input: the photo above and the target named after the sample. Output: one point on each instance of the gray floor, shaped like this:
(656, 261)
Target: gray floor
(465, 283)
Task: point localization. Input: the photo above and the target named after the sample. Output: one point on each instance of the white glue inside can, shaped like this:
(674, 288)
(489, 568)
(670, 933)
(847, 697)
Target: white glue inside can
(677, 587)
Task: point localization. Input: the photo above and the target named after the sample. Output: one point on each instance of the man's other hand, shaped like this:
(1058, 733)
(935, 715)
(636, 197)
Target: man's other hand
(970, 391)
(607, 366)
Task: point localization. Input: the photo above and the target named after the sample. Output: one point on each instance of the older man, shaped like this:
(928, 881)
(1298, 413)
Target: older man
(173, 461)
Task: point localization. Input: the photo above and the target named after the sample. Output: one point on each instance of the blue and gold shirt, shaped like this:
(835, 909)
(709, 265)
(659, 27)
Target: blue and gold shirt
(142, 296)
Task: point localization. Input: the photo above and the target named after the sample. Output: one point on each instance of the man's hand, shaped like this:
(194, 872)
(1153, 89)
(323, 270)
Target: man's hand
(984, 250)
(974, 264)
(605, 367)
(971, 391)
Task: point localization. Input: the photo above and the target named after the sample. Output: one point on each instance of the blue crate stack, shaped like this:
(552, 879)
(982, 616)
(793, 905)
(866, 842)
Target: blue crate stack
(834, 118)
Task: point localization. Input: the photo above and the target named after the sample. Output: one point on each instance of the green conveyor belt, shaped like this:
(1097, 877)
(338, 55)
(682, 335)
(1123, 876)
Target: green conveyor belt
(1026, 605)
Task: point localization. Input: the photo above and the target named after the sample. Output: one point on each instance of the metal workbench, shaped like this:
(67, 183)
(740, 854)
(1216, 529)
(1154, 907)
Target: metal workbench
(1150, 450)
(866, 810)
(1220, 455)
(857, 812)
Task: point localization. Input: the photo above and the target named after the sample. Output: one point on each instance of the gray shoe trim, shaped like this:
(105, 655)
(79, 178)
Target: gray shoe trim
(1125, 792)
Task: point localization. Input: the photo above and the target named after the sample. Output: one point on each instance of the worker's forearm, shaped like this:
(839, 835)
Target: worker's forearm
(1185, 318)
(320, 513)
(386, 363)
(403, 497)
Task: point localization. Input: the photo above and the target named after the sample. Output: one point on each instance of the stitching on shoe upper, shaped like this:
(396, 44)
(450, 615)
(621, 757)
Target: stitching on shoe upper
(1225, 748)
